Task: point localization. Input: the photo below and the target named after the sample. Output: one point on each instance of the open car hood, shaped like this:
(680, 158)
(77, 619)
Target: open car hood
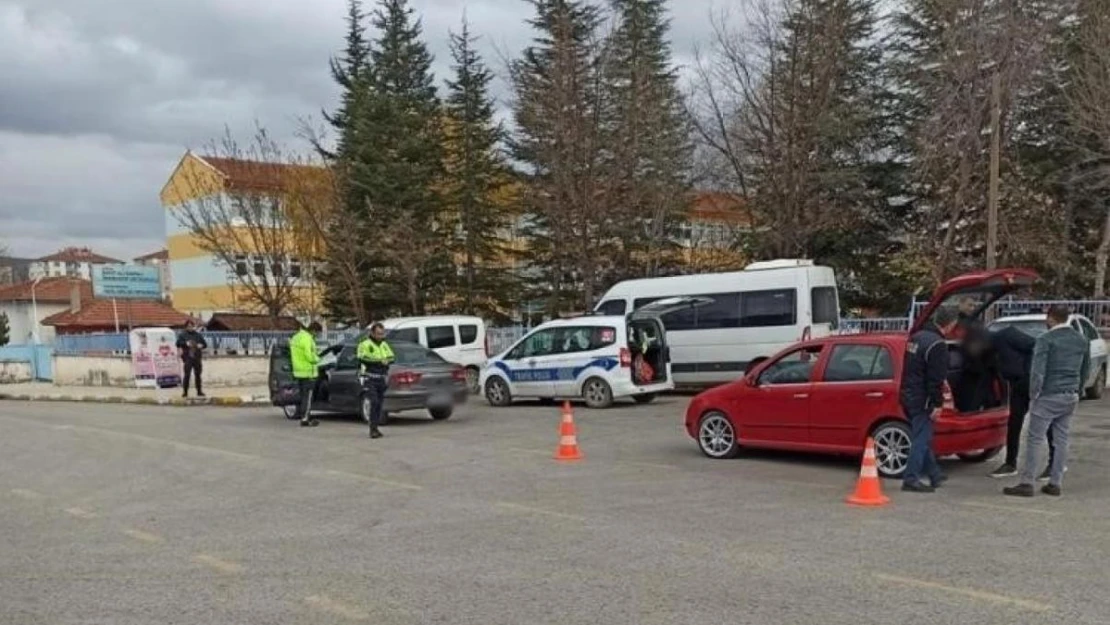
(667, 305)
(987, 286)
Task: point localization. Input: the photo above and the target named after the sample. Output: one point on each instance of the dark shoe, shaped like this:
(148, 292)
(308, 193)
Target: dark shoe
(941, 479)
(375, 433)
(185, 395)
(1006, 470)
(1021, 490)
(309, 423)
(917, 487)
(199, 394)
(1047, 475)
(1049, 489)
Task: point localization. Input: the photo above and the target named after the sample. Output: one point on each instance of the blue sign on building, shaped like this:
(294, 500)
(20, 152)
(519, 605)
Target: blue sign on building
(126, 282)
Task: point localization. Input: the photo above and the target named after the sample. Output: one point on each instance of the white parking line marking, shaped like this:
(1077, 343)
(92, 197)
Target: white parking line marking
(1035, 606)
(332, 606)
(26, 493)
(217, 564)
(991, 506)
(142, 536)
(532, 510)
(359, 476)
(80, 513)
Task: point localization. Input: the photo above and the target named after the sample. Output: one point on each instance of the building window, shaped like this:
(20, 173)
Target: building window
(241, 265)
(294, 268)
(259, 267)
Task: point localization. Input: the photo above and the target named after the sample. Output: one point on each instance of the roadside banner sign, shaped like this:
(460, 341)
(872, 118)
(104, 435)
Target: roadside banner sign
(126, 282)
(154, 359)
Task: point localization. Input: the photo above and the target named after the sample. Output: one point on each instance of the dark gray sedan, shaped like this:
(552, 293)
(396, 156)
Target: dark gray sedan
(419, 379)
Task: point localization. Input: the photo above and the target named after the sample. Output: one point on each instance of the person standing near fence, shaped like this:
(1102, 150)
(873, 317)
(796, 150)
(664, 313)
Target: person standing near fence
(305, 361)
(375, 355)
(1061, 361)
(191, 345)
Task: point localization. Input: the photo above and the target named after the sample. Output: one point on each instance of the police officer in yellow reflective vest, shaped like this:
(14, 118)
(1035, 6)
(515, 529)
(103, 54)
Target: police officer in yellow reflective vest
(375, 355)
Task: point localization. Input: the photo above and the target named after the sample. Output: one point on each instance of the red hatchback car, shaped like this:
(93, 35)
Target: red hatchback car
(828, 395)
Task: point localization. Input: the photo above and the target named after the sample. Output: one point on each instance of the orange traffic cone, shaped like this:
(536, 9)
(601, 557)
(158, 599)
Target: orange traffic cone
(868, 491)
(568, 438)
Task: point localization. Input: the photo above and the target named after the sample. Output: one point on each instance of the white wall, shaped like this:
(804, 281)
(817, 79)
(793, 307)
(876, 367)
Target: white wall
(22, 324)
(219, 371)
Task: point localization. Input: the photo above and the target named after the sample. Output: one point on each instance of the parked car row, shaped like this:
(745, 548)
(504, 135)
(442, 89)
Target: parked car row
(818, 392)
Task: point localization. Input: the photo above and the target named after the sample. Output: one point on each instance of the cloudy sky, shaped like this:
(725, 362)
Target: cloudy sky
(99, 98)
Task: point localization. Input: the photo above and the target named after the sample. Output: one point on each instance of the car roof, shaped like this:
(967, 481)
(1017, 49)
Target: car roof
(432, 319)
(1033, 317)
(585, 320)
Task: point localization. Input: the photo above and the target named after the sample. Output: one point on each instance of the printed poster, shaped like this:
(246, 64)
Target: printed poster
(154, 358)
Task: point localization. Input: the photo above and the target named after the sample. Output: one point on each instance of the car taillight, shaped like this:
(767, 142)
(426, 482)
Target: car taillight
(459, 374)
(626, 357)
(405, 378)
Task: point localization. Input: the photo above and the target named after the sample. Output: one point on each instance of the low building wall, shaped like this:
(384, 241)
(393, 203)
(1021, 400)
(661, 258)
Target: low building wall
(15, 371)
(108, 370)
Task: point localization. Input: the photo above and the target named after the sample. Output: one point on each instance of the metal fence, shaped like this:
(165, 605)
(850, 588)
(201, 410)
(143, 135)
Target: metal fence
(501, 339)
(871, 326)
(223, 343)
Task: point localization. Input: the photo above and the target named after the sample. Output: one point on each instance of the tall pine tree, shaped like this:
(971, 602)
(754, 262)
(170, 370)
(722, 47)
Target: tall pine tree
(558, 113)
(649, 137)
(477, 182)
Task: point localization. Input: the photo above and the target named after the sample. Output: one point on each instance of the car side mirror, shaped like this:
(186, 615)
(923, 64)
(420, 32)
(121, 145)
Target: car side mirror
(751, 380)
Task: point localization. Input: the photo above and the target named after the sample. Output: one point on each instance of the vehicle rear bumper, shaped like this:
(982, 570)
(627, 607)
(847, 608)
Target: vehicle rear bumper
(626, 388)
(967, 433)
(400, 401)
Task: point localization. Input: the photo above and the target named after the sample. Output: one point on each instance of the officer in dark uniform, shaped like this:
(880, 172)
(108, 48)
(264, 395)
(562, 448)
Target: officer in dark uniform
(922, 396)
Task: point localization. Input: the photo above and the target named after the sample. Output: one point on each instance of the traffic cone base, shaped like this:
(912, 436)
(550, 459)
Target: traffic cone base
(869, 491)
(568, 437)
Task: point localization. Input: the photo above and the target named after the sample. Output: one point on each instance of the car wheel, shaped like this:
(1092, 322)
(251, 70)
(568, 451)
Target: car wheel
(441, 413)
(472, 375)
(1095, 392)
(979, 456)
(717, 436)
(290, 411)
(892, 448)
(645, 398)
(497, 392)
(597, 393)
(364, 408)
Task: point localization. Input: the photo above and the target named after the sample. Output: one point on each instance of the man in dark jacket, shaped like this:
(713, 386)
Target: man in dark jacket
(1061, 362)
(192, 346)
(922, 397)
(1014, 349)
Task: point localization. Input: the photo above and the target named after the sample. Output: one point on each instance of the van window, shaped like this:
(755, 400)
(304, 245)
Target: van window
(824, 305)
(412, 335)
(584, 339)
(724, 312)
(761, 309)
(468, 334)
(612, 307)
(539, 343)
(440, 336)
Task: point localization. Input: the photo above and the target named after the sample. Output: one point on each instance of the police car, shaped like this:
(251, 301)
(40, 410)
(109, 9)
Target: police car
(597, 358)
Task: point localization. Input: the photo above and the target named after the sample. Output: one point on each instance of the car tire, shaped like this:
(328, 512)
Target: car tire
(290, 411)
(472, 377)
(1096, 391)
(979, 456)
(892, 448)
(717, 436)
(497, 392)
(597, 393)
(441, 413)
(364, 408)
(644, 398)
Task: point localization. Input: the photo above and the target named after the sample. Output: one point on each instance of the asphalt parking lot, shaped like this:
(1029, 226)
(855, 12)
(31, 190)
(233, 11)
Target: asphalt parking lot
(132, 514)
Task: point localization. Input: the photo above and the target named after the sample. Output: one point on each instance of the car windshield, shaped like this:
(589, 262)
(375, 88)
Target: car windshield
(1032, 327)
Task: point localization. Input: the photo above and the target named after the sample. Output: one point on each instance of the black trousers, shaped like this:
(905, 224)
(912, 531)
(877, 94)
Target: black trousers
(307, 387)
(374, 388)
(192, 369)
(1019, 407)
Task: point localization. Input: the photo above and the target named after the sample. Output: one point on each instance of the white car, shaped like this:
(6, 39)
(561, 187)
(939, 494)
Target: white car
(457, 339)
(1035, 325)
(598, 358)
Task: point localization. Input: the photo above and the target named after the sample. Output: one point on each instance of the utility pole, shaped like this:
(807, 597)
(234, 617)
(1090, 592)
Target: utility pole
(996, 147)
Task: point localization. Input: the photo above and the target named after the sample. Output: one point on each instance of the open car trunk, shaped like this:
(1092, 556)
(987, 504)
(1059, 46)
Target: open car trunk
(974, 381)
(648, 344)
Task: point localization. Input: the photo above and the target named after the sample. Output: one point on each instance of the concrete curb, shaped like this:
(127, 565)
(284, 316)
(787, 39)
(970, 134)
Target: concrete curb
(233, 401)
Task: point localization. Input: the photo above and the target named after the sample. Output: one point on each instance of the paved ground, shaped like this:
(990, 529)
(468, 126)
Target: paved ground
(145, 514)
(114, 394)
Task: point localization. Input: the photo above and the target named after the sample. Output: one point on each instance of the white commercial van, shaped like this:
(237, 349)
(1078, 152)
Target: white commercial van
(457, 339)
(754, 314)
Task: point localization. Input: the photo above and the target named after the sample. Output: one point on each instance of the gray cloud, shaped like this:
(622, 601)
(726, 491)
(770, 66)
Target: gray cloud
(99, 99)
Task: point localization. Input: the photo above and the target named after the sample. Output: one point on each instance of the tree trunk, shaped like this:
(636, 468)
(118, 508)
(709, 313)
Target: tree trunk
(1101, 255)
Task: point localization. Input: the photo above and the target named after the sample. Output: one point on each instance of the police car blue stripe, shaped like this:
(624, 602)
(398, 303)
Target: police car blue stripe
(552, 374)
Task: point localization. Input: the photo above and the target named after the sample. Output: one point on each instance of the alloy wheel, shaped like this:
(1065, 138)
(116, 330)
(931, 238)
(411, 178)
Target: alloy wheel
(716, 435)
(892, 449)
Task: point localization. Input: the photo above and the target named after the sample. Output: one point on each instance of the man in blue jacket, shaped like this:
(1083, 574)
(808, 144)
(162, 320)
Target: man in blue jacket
(1061, 362)
(922, 396)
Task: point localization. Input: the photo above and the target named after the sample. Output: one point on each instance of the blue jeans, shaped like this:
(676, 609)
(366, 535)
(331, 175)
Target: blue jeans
(922, 460)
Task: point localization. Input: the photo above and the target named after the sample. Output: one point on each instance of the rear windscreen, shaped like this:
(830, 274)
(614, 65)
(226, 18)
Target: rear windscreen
(414, 355)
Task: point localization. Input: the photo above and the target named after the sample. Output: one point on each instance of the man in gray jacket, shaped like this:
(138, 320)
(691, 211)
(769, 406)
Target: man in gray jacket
(1061, 361)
